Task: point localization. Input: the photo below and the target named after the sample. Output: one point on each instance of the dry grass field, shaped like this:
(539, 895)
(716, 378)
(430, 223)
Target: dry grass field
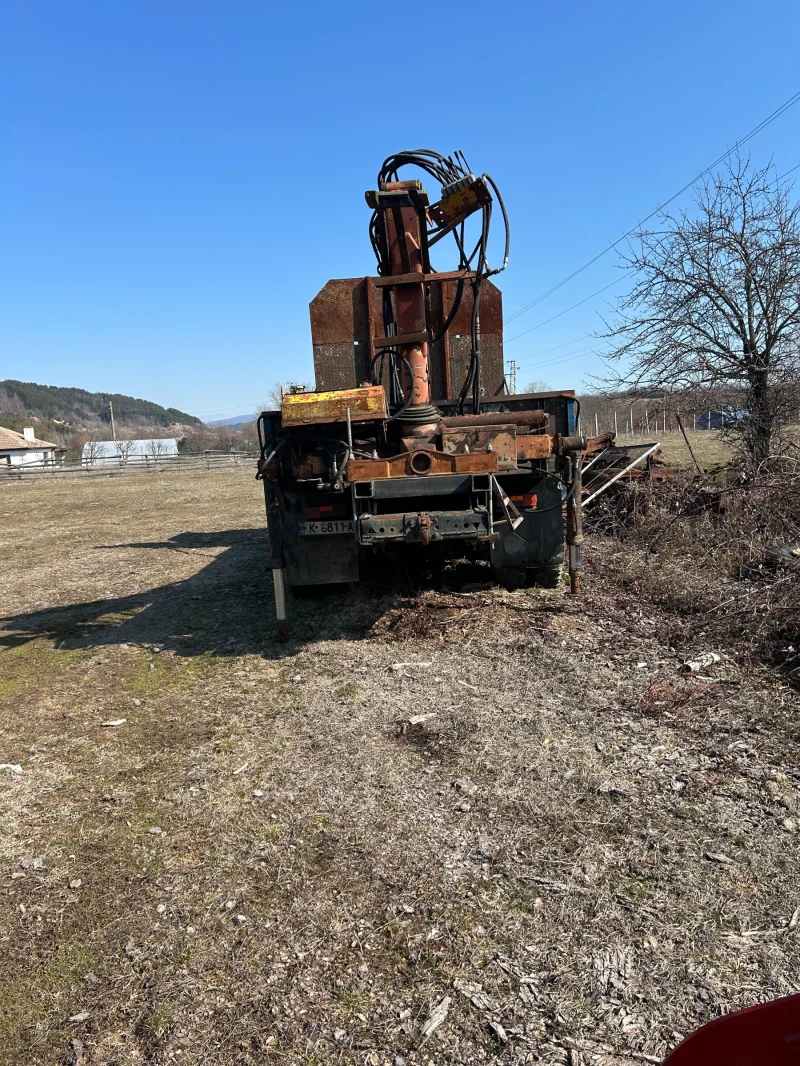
(445, 825)
(709, 447)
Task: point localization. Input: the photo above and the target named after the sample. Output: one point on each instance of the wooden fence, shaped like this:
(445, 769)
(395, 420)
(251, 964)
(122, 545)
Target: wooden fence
(78, 468)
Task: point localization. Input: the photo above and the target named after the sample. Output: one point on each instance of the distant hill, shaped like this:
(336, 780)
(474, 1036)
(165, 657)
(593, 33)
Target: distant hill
(232, 423)
(59, 412)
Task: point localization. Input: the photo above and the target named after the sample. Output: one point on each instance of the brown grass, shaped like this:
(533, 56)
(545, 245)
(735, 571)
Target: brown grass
(536, 849)
(710, 448)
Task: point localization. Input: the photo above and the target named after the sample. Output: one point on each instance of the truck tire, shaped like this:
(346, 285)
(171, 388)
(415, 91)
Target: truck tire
(512, 577)
(546, 577)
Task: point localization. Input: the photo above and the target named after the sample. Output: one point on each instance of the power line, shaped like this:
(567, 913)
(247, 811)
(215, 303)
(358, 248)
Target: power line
(598, 291)
(566, 344)
(757, 129)
(557, 362)
(575, 340)
(788, 172)
(616, 281)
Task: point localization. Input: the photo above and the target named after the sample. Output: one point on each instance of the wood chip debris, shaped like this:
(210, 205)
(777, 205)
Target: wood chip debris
(718, 856)
(498, 1031)
(436, 1017)
(552, 886)
(418, 719)
(700, 662)
(113, 722)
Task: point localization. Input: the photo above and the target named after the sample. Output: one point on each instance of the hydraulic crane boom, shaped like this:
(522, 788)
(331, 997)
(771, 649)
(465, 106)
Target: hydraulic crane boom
(410, 441)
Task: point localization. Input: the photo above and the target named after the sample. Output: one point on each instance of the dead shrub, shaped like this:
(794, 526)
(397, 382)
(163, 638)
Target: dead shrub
(723, 555)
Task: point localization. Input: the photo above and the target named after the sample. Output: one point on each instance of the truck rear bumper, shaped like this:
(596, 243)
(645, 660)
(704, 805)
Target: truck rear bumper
(424, 527)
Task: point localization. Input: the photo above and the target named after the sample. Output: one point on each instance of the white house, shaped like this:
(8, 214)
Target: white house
(20, 449)
(99, 452)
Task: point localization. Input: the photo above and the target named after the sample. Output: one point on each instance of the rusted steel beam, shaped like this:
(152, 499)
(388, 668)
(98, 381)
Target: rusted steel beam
(403, 338)
(420, 463)
(414, 278)
(498, 418)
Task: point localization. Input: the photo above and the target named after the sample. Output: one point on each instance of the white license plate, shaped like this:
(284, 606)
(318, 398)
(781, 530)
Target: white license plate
(320, 529)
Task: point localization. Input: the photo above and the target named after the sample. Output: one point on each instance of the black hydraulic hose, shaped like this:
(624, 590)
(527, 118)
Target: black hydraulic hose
(446, 170)
(407, 403)
(488, 178)
(453, 312)
(561, 481)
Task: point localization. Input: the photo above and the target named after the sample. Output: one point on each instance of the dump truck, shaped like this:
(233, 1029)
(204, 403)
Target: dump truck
(410, 441)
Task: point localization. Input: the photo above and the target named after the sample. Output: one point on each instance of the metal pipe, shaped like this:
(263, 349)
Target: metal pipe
(575, 527)
(280, 601)
(276, 554)
(596, 457)
(498, 418)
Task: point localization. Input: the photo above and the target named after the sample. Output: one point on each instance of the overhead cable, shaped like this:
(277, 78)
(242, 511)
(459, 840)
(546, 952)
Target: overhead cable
(757, 129)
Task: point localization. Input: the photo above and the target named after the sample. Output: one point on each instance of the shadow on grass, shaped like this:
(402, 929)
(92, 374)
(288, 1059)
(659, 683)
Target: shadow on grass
(224, 609)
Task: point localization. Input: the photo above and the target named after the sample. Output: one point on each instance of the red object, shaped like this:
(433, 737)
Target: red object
(527, 499)
(766, 1035)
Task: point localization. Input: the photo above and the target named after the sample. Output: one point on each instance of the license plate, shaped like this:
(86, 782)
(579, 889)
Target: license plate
(320, 529)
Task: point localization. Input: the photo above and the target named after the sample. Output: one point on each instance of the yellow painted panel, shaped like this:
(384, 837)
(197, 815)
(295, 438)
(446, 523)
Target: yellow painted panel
(303, 408)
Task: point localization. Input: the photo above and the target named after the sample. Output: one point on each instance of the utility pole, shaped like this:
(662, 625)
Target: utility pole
(512, 377)
(113, 428)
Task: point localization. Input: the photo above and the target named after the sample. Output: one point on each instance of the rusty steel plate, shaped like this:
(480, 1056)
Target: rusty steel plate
(534, 446)
(502, 440)
(420, 463)
(305, 408)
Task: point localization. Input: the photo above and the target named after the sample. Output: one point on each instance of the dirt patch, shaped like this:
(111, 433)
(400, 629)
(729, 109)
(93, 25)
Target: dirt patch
(267, 862)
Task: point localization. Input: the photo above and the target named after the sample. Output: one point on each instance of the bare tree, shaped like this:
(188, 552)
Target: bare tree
(716, 302)
(124, 449)
(537, 386)
(278, 391)
(92, 451)
(157, 448)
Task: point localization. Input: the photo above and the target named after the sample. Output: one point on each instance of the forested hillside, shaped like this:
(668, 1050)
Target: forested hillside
(57, 411)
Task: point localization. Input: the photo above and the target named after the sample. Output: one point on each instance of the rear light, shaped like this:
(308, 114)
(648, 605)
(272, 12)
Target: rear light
(327, 510)
(527, 499)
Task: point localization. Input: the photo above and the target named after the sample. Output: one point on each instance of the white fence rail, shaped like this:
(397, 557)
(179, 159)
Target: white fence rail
(77, 468)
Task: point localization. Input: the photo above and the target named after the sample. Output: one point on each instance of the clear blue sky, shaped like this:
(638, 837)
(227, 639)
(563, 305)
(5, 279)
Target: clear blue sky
(178, 178)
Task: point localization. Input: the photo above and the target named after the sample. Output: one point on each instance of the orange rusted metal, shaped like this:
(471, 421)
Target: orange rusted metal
(305, 408)
(420, 463)
(498, 418)
(502, 440)
(534, 446)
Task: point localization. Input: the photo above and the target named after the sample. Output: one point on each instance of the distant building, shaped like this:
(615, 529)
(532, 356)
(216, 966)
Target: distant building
(128, 451)
(721, 419)
(21, 449)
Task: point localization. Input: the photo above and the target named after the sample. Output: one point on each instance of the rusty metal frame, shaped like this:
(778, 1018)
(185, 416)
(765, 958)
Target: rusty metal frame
(640, 458)
(409, 465)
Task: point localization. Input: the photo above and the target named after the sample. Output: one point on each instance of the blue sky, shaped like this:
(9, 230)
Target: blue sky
(179, 178)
